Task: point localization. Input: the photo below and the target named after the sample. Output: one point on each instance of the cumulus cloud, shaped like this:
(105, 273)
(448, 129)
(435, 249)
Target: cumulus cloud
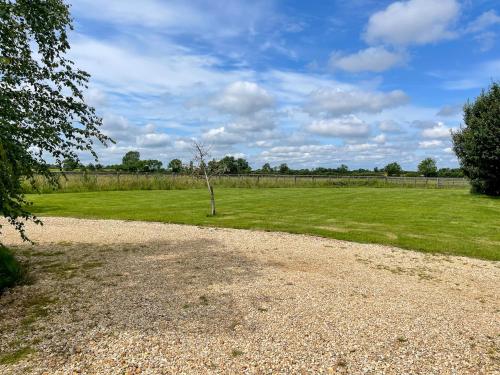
(346, 126)
(390, 126)
(413, 22)
(330, 155)
(154, 140)
(129, 135)
(372, 59)
(425, 124)
(118, 128)
(437, 131)
(336, 102)
(381, 138)
(221, 136)
(258, 122)
(430, 144)
(96, 98)
(242, 98)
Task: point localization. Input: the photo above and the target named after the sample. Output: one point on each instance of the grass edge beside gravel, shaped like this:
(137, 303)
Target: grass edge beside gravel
(432, 221)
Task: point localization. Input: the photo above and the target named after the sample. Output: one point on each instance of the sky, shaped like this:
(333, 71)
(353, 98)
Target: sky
(307, 83)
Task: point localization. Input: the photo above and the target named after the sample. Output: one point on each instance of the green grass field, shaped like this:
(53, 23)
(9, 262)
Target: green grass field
(443, 221)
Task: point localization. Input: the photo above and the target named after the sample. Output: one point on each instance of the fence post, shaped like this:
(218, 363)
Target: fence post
(295, 180)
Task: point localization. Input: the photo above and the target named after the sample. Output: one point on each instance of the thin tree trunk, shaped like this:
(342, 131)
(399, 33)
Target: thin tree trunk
(211, 191)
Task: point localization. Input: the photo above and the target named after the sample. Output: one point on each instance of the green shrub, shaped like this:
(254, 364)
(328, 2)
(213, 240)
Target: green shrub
(477, 144)
(12, 272)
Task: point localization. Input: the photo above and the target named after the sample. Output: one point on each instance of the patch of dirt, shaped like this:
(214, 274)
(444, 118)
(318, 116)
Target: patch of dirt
(116, 297)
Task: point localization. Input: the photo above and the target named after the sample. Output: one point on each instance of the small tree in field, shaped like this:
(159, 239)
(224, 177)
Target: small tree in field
(201, 154)
(283, 168)
(131, 161)
(427, 167)
(175, 166)
(393, 169)
(43, 113)
(477, 144)
(266, 168)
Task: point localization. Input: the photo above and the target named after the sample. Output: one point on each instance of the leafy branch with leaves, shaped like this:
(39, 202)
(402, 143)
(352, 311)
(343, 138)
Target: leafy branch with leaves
(43, 113)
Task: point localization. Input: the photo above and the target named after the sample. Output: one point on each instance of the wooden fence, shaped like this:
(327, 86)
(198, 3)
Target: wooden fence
(291, 180)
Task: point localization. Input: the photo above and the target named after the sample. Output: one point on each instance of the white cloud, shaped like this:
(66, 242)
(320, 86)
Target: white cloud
(346, 126)
(437, 131)
(259, 122)
(381, 138)
(430, 144)
(154, 140)
(183, 145)
(450, 110)
(484, 21)
(413, 22)
(96, 98)
(338, 101)
(221, 136)
(118, 128)
(425, 124)
(206, 20)
(122, 68)
(243, 98)
(390, 126)
(364, 154)
(372, 59)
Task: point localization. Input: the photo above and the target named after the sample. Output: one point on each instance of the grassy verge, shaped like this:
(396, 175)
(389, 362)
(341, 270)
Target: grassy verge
(429, 220)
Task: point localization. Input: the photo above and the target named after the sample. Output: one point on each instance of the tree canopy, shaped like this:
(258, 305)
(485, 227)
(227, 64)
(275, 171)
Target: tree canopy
(393, 169)
(175, 165)
(43, 113)
(477, 143)
(428, 168)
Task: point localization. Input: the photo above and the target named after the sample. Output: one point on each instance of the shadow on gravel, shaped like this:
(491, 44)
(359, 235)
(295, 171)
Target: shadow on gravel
(174, 288)
(185, 285)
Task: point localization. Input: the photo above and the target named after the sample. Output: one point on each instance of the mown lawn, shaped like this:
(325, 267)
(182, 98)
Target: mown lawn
(444, 221)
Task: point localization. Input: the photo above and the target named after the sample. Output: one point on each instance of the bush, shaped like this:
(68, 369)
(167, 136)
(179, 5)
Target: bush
(12, 272)
(477, 144)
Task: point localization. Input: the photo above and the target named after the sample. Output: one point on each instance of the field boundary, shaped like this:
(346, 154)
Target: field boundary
(419, 181)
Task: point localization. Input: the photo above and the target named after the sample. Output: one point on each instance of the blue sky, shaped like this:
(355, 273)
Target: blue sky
(308, 83)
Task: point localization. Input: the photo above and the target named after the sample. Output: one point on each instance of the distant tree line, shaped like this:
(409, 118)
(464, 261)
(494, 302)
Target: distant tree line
(132, 162)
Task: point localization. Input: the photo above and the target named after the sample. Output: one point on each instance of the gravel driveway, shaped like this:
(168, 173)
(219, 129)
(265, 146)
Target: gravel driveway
(117, 297)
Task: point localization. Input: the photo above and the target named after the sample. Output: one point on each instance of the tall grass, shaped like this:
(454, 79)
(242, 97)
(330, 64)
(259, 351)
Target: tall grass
(74, 183)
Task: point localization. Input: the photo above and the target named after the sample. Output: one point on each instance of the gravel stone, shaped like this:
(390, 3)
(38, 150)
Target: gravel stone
(127, 297)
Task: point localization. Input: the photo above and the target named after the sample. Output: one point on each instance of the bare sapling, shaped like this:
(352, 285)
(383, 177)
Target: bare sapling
(201, 153)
